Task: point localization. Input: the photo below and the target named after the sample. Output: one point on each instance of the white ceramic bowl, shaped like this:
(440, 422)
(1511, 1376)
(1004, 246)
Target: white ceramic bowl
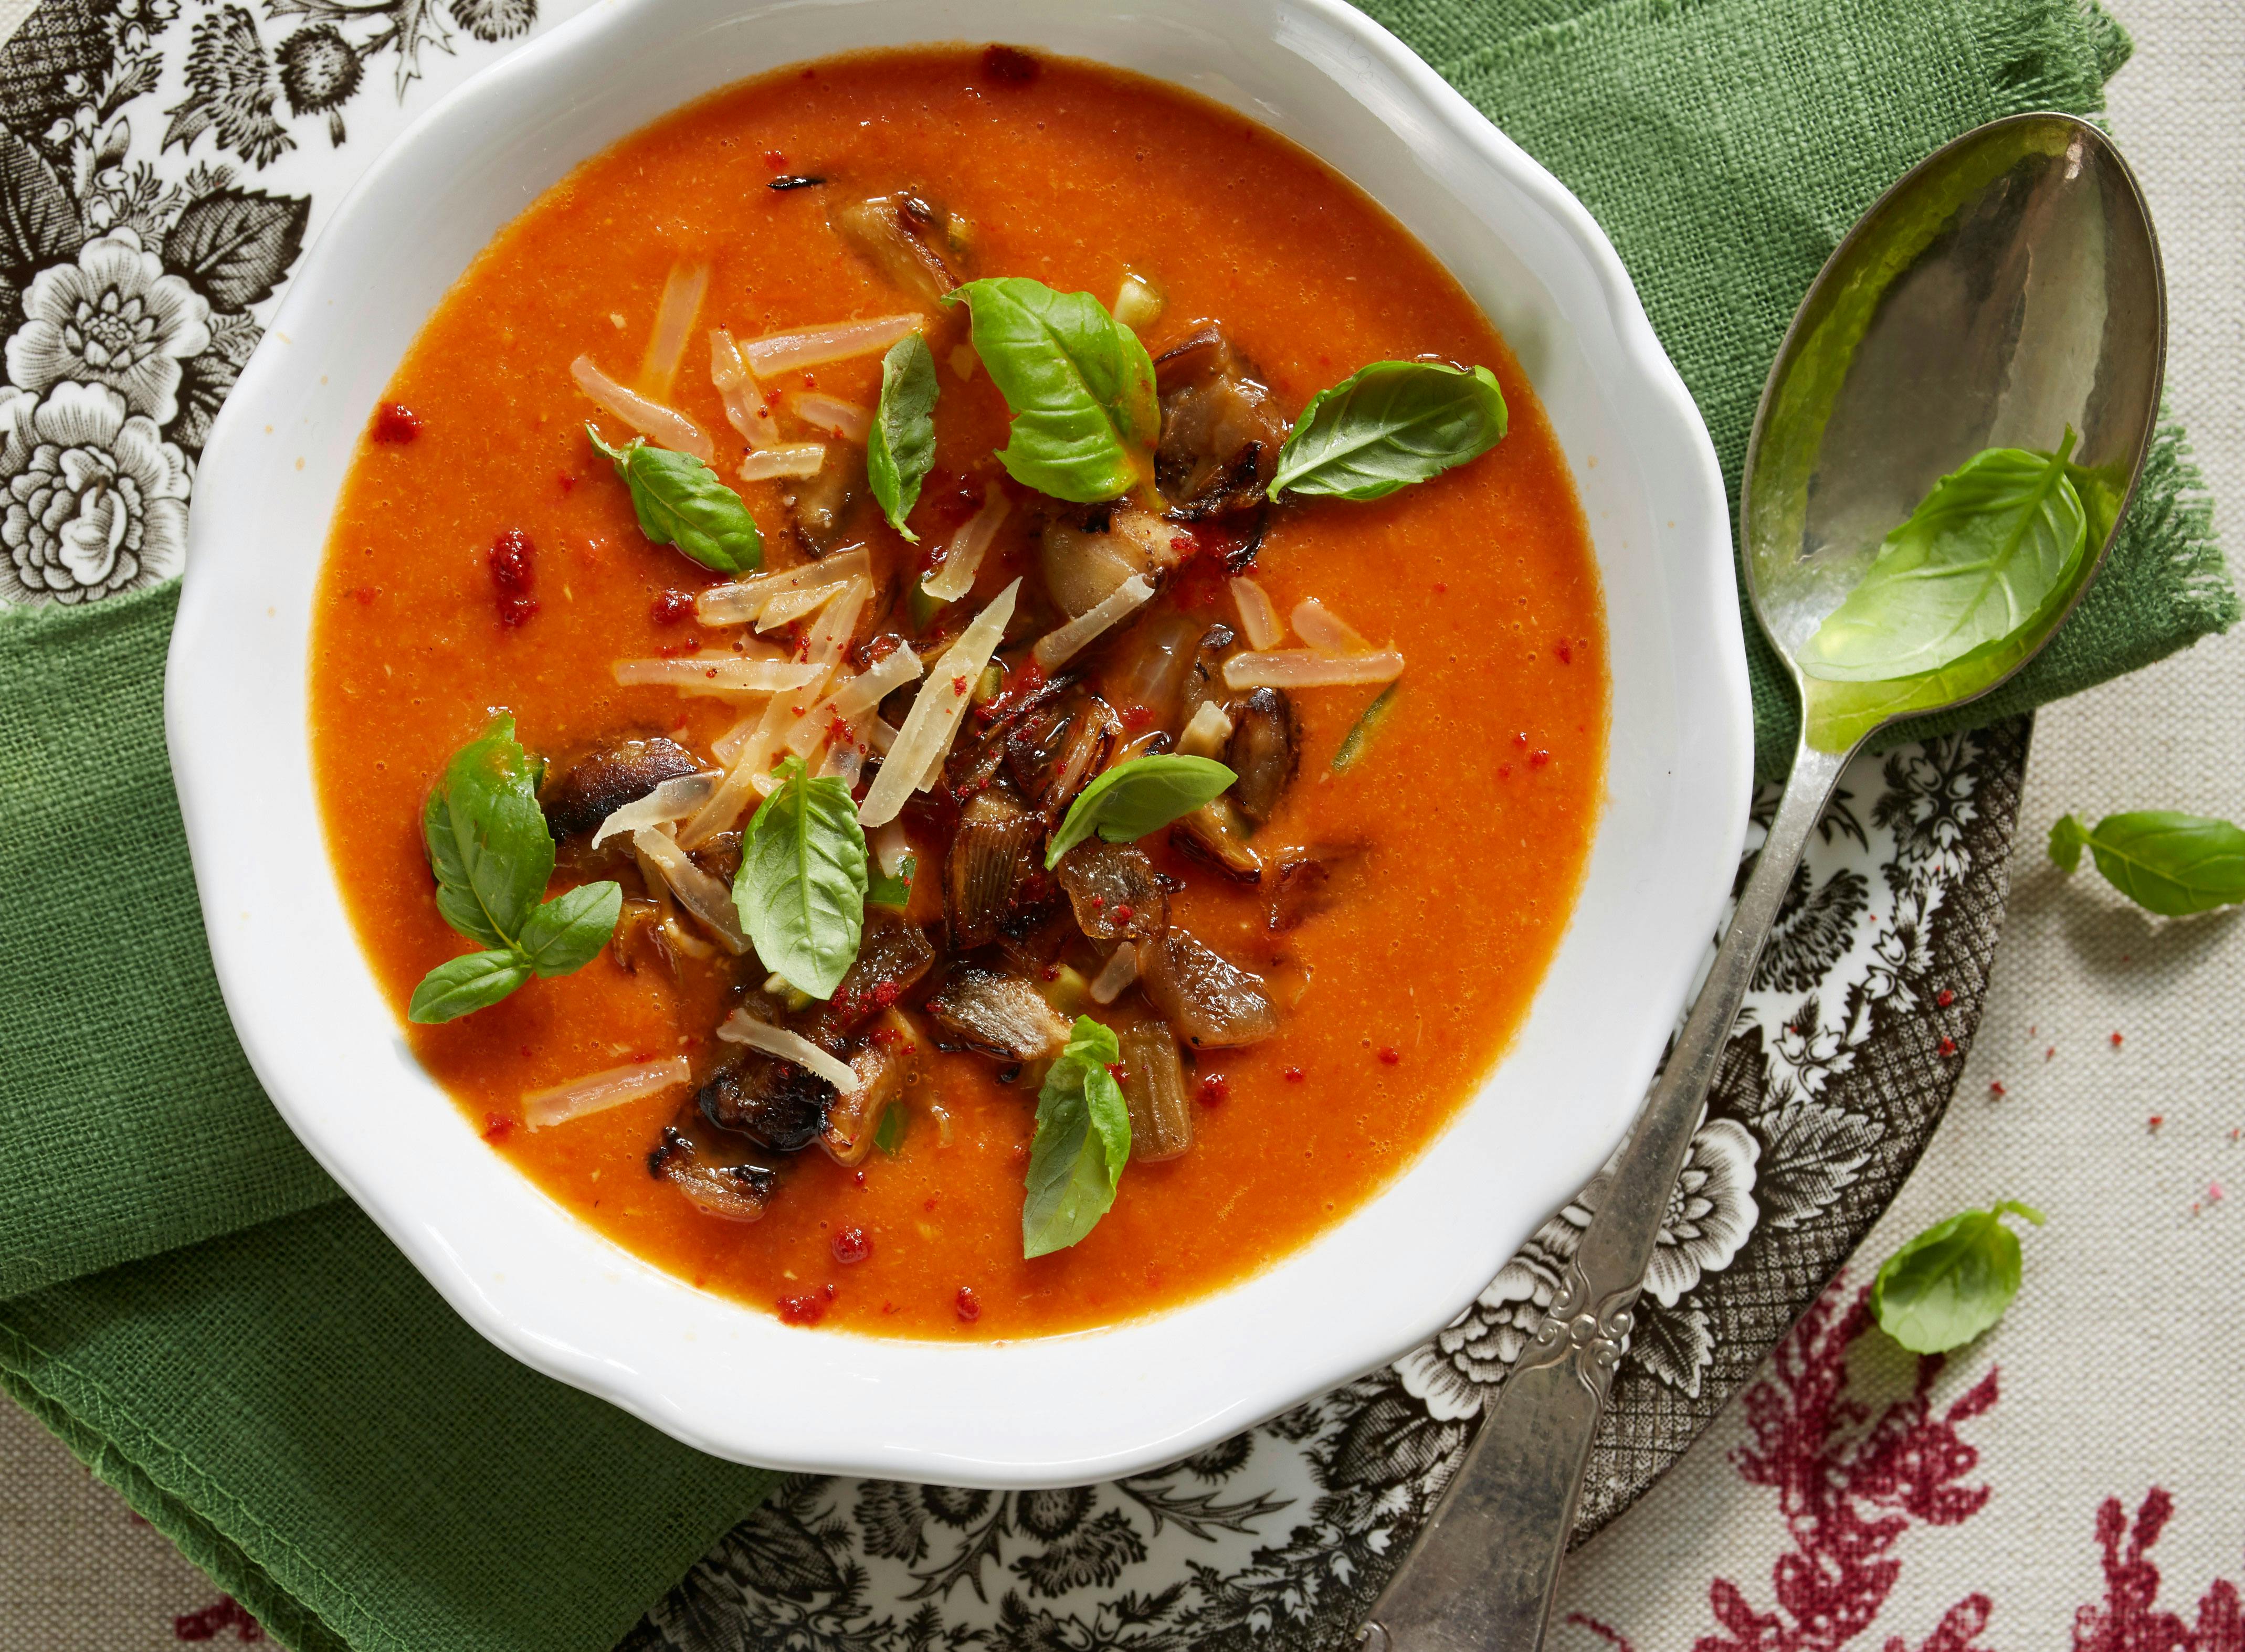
(1054, 1411)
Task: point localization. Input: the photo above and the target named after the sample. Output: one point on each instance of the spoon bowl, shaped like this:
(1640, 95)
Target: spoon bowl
(2005, 290)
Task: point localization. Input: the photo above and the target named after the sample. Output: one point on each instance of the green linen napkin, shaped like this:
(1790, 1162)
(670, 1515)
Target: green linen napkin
(188, 1304)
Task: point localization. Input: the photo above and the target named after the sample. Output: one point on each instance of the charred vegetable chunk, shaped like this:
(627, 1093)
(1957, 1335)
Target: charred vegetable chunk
(1154, 1087)
(893, 957)
(1215, 836)
(775, 1104)
(886, 1065)
(716, 1174)
(994, 851)
(1116, 893)
(1307, 882)
(915, 243)
(1214, 1004)
(997, 1014)
(1220, 429)
(1088, 554)
(604, 780)
(1054, 751)
(823, 504)
(1265, 750)
(1204, 679)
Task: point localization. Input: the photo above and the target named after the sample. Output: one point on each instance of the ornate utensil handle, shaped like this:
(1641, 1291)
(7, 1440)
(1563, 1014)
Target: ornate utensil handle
(1480, 1575)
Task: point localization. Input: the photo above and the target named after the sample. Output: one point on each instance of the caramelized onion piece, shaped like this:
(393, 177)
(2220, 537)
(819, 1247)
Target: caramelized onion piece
(1204, 680)
(699, 893)
(1308, 881)
(886, 1065)
(913, 242)
(997, 1014)
(775, 1103)
(1089, 556)
(1265, 750)
(1213, 1003)
(1220, 429)
(1150, 664)
(1054, 751)
(823, 502)
(1216, 834)
(715, 1173)
(1154, 1088)
(1113, 889)
(994, 851)
(606, 779)
(894, 955)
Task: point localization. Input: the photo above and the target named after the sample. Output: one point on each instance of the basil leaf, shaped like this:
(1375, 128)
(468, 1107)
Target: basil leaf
(569, 930)
(680, 502)
(881, 890)
(1952, 1282)
(1079, 383)
(901, 445)
(1977, 562)
(460, 985)
(1141, 795)
(1388, 425)
(801, 888)
(487, 836)
(1081, 1144)
(2169, 864)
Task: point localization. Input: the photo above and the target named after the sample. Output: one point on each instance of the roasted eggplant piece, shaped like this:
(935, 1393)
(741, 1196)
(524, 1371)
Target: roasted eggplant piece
(1211, 1002)
(919, 247)
(996, 1015)
(720, 857)
(1221, 431)
(992, 853)
(716, 1171)
(1215, 836)
(886, 1064)
(1265, 750)
(1088, 554)
(1154, 1088)
(1054, 750)
(823, 504)
(1204, 679)
(604, 780)
(1307, 881)
(1115, 890)
(893, 956)
(775, 1103)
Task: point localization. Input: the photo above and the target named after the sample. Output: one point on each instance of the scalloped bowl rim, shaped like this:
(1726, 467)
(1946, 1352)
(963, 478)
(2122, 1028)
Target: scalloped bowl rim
(1052, 1411)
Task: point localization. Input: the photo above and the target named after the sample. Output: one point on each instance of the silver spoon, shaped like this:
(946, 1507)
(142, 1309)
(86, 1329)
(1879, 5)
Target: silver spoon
(2008, 287)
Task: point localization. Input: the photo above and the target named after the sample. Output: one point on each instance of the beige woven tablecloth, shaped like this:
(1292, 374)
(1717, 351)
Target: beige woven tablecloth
(2101, 1418)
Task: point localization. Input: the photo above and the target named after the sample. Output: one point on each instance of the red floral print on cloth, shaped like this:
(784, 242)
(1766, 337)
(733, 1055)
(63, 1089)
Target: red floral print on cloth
(226, 1613)
(2126, 1622)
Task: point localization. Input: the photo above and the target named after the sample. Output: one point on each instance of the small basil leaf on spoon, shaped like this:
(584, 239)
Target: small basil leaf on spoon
(1976, 562)
(680, 501)
(801, 888)
(1952, 1282)
(1141, 795)
(2167, 863)
(1079, 383)
(901, 445)
(1082, 1143)
(1388, 425)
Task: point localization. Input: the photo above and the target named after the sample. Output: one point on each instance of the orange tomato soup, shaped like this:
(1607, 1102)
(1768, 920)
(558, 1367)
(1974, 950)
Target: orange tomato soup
(1469, 812)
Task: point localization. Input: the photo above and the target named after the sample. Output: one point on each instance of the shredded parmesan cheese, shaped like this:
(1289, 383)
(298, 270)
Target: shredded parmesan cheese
(890, 844)
(789, 352)
(848, 420)
(1115, 980)
(598, 1091)
(741, 1027)
(845, 763)
(880, 738)
(698, 892)
(964, 555)
(674, 322)
(673, 799)
(747, 407)
(664, 426)
(1204, 736)
(1299, 668)
(852, 699)
(938, 711)
(704, 674)
(797, 459)
(1325, 631)
(738, 604)
(1056, 648)
(793, 605)
(1258, 615)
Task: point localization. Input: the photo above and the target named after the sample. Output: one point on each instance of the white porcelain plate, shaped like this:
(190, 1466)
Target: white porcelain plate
(1055, 1412)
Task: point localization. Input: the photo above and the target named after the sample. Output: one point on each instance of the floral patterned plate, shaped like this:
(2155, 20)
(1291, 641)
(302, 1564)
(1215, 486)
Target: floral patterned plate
(162, 163)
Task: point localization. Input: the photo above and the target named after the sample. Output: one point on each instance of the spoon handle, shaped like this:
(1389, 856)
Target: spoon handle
(1480, 1576)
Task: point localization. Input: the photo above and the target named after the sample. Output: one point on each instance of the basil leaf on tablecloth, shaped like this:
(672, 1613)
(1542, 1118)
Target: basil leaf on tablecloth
(1388, 425)
(568, 931)
(1953, 1281)
(901, 445)
(1980, 560)
(1140, 796)
(487, 836)
(801, 888)
(2167, 863)
(680, 501)
(1079, 383)
(1081, 1144)
(461, 985)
